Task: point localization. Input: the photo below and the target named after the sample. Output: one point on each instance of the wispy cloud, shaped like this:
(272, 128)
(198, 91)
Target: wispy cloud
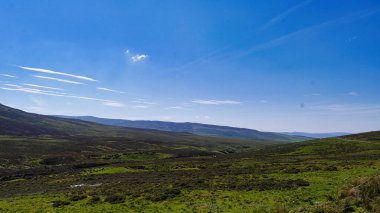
(11, 87)
(33, 90)
(165, 118)
(136, 57)
(217, 52)
(347, 108)
(57, 79)
(109, 90)
(176, 107)
(141, 107)
(113, 104)
(42, 87)
(8, 76)
(353, 93)
(57, 73)
(14, 87)
(37, 101)
(215, 102)
(351, 39)
(224, 55)
(200, 60)
(284, 38)
(34, 109)
(313, 94)
(284, 15)
(204, 117)
(144, 102)
(267, 25)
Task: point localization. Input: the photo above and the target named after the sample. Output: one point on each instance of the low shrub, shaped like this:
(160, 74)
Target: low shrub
(94, 199)
(114, 199)
(331, 169)
(164, 195)
(60, 203)
(78, 197)
(363, 195)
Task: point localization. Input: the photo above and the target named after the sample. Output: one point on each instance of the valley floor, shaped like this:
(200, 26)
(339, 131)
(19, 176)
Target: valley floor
(300, 177)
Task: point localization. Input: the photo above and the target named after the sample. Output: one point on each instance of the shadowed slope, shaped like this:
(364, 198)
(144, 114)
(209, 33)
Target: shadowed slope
(198, 129)
(15, 122)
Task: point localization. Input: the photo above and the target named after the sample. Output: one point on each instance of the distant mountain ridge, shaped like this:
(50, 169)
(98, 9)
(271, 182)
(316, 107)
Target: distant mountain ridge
(317, 135)
(19, 123)
(195, 128)
(52, 135)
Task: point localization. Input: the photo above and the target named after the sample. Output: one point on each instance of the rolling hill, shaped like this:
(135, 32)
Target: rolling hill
(317, 135)
(39, 135)
(19, 123)
(197, 128)
(145, 170)
(364, 144)
(63, 165)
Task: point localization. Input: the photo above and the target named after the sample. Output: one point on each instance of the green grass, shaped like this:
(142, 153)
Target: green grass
(17, 180)
(160, 178)
(108, 170)
(323, 185)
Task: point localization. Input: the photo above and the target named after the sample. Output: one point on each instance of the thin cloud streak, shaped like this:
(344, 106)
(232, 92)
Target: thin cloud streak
(276, 41)
(141, 107)
(215, 102)
(57, 79)
(280, 40)
(42, 87)
(57, 73)
(12, 85)
(284, 15)
(33, 90)
(347, 108)
(176, 108)
(270, 23)
(109, 90)
(8, 76)
(353, 93)
(200, 60)
(50, 93)
(113, 104)
(143, 101)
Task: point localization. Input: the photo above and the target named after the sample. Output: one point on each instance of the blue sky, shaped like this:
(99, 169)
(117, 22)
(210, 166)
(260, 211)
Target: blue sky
(309, 65)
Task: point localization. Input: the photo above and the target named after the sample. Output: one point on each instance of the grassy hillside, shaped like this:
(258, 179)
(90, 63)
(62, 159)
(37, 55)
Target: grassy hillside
(199, 129)
(101, 174)
(50, 134)
(317, 135)
(52, 164)
(365, 144)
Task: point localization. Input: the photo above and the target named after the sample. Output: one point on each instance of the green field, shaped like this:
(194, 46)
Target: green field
(299, 177)
(62, 165)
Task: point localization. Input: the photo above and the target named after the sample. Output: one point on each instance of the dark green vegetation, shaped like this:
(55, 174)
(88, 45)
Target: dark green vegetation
(198, 129)
(317, 135)
(51, 135)
(361, 195)
(113, 169)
